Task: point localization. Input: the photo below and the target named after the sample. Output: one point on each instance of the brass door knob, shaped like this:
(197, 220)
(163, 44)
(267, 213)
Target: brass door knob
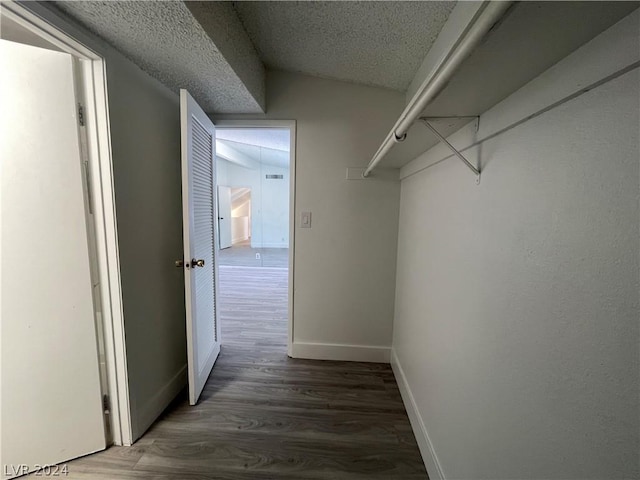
(197, 263)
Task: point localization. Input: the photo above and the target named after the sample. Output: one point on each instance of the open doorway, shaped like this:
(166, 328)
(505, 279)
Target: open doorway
(240, 216)
(234, 217)
(254, 173)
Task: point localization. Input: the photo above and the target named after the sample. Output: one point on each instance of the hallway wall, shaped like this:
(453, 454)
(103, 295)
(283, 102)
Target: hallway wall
(269, 201)
(145, 132)
(516, 324)
(344, 273)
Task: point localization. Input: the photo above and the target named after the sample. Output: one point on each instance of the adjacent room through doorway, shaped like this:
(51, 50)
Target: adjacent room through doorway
(253, 177)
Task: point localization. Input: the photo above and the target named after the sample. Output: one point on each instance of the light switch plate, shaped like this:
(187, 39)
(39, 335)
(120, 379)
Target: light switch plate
(305, 220)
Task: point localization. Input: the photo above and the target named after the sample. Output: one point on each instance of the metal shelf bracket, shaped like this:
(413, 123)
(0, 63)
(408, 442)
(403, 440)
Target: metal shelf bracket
(455, 151)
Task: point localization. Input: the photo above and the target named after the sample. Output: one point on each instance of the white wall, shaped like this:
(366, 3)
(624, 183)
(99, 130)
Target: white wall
(273, 207)
(516, 333)
(145, 141)
(221, 172)
(239, 229)
(145, 134)
(269, 201)
(344, 274)
(240, 215)
(242, 208)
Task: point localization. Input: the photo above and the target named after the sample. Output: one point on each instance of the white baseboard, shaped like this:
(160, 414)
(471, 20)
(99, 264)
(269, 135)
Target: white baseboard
(417, 424)
(148, 413)
(331, 351)
(270, 245)
(239, 239)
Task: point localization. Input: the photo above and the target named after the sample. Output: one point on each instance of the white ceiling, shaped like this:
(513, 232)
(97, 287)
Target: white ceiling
(374, 43)
(205, 46)
(275, 138)
(206, 55)
(262, 155)
(266, 146)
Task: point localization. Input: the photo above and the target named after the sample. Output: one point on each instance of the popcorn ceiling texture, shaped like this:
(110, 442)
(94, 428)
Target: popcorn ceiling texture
(166, 41)
(373, 43)
(205, 48)
(223, 26)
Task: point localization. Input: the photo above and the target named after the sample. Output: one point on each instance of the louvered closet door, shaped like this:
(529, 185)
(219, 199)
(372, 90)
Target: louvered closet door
(200, 239)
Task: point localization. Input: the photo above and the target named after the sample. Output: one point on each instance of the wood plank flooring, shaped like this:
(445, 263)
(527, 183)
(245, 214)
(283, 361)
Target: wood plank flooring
(243, 255)
(265, 416)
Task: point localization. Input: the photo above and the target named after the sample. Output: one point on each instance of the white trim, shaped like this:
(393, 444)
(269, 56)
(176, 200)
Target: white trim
(41, 27)
(149, 413)
(417, 424)
(41, 21)
(273, 245)
(109, 257)
(333, 351)
(291, 125)
(239, 239)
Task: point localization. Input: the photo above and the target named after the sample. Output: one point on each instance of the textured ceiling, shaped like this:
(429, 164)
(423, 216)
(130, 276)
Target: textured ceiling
(166, 40)
(374, 43)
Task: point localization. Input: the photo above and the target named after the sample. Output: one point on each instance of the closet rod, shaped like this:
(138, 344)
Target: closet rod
(486, 18)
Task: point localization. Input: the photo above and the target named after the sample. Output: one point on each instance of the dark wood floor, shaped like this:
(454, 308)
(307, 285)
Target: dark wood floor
(265, 416)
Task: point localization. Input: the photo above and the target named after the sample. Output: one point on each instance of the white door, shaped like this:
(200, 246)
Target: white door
(200, 252)
(50, 388)
(224, 216)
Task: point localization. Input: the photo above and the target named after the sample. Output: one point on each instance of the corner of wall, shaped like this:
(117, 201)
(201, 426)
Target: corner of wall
(153, 407)
(427, 451)
(340, 352)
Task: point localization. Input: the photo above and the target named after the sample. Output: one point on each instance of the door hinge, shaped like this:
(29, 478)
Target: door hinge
(81, 114)
(106, 404)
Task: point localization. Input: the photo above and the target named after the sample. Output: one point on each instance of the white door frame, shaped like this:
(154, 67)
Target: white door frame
(92, 93)
(218, 218)
(291, 125)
